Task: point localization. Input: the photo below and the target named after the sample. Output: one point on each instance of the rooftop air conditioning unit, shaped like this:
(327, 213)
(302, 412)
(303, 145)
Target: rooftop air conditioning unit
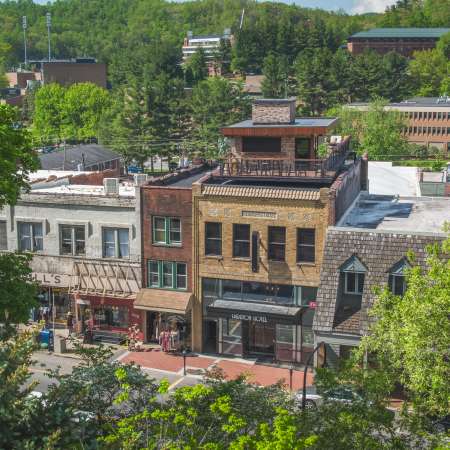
(140, 179)
(111, 186)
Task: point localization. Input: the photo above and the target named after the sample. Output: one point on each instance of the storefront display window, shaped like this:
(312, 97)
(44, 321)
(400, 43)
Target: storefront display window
(113, 316)
(285, 342)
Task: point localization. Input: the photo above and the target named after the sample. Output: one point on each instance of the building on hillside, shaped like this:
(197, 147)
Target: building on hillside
(210, 43)
(64, 72)
(85, 241)
(166, 295)
(259, 224)
(370, 248)
(428, 120)
(401, 40)
(83, 157)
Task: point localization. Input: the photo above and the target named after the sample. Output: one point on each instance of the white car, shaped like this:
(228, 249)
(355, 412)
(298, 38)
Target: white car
(340, 394)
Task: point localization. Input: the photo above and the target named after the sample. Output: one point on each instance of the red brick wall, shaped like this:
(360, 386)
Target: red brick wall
(93, 178)
(167, 202)
(403, 46)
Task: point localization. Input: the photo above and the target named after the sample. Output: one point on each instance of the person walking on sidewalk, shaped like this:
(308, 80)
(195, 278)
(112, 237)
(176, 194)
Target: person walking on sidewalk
(70, 323)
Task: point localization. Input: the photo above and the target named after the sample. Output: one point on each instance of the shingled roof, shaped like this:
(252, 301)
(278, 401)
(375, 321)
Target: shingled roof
(380, 251)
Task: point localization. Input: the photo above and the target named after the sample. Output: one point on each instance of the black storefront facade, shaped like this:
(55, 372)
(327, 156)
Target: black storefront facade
(258, 320)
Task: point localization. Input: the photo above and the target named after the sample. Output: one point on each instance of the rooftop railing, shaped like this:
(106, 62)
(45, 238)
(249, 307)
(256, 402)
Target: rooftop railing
(295, 168)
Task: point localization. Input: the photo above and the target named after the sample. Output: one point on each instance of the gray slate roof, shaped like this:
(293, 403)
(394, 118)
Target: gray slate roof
(398, 33)
(380, 251)
(93, 154)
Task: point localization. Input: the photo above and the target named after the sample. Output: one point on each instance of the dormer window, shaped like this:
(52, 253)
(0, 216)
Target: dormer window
(354, 273)
(397, 281)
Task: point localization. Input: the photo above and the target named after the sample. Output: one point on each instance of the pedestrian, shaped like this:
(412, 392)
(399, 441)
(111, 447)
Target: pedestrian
(70, 322)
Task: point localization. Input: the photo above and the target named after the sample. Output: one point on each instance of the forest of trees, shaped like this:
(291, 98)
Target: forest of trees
(157, 106)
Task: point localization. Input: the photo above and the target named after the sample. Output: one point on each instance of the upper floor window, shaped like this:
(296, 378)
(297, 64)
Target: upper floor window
(397, 284)
(166, 231)
(354, 274)
(354, 283)
(306, 245)
(397, 281)
(213, 238)
(30, 236)
(167, 274)
(241, 240)
(3, 236)
(116, 243)
(277, 243)
(72, 238)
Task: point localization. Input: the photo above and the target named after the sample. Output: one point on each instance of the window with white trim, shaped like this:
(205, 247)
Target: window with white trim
(72, 240)
(30, 236)
(354, 283)
(116, 242)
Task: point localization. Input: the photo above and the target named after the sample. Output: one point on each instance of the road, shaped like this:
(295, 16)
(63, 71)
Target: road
(49, 361)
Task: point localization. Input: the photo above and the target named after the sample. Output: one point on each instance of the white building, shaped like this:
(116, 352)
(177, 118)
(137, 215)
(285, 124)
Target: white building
(86, 244)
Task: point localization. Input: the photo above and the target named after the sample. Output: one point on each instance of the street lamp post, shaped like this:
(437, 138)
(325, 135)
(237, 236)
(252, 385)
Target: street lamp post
(184, 362)
(305, 371)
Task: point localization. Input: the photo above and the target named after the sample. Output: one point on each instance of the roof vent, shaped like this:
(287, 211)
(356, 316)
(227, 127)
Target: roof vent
(111, 186)
(140, 179)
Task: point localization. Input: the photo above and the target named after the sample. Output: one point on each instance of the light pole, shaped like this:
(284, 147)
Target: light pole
(305, 371)
(184, 362)
(24, 26)
(49, 24)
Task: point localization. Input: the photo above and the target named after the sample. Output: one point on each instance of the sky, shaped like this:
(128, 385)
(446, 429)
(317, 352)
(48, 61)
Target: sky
(350, 6)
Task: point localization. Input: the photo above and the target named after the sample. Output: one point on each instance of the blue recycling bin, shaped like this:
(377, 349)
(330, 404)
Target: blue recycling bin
(46, 337)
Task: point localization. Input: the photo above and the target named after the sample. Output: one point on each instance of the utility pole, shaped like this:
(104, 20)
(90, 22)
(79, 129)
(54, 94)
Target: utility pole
(24, 26)
(242, 19)
(49, 25)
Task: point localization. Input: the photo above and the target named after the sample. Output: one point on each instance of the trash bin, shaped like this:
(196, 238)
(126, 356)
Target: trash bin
(46, 338)
(60, 344)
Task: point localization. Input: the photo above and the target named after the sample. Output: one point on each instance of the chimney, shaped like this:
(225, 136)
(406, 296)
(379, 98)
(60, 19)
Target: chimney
(273, 111)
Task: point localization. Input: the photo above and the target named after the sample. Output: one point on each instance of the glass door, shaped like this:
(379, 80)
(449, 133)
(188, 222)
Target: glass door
(261, 339)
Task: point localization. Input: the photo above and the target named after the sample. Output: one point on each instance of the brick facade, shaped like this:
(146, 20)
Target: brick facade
(405, 47)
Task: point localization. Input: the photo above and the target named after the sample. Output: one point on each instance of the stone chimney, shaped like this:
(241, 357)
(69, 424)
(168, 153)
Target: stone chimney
(273, 111)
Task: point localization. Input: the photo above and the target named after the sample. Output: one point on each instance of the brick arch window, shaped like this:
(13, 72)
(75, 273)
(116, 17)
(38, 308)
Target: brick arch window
(354, 272)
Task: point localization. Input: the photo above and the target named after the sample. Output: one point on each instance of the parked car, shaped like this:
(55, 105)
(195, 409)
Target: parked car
(342, 394)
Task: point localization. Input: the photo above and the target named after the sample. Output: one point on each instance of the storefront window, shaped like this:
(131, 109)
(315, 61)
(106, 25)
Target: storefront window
(307, 295)
(285, 342)
(113, 316)
(231, 337)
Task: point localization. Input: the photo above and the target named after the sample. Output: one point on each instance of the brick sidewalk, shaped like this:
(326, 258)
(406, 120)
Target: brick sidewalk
(258, 373)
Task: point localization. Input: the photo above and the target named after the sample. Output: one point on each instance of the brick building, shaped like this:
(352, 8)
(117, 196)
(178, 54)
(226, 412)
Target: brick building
(166, 221)
(370, 248)
(259, 224)
(401, 40)
(427, 120)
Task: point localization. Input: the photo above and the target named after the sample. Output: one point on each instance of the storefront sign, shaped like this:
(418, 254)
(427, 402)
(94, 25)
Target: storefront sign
(250, 317)
(259, 214)
(51, 279)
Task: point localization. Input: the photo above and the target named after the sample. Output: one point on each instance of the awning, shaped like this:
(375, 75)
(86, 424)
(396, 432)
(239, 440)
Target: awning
(255, 312)
(163, 300)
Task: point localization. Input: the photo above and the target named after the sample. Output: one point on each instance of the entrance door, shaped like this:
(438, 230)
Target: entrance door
(261, 338)
(152, 327)
(210, 336)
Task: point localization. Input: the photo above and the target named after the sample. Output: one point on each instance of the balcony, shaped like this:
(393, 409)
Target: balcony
(324, 169)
